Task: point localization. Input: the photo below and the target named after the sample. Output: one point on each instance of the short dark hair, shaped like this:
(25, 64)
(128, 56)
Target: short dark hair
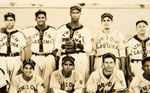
(40, 12)
(70, 58)
(107, 15)
(75, 8)
(145, 60)
(30, 62)
(9, 14)
(141, 21)
(109, 55)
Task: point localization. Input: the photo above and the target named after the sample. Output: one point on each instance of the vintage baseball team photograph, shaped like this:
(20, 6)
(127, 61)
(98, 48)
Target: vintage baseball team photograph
(74, 46)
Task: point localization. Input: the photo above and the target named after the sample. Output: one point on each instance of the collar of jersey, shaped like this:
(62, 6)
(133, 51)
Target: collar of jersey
(74, 29)
(136, 37)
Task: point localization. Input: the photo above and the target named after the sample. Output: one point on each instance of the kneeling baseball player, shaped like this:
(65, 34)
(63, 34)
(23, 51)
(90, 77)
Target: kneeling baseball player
(108, 79)
(141, 82)
(66, 80)
(27, 82)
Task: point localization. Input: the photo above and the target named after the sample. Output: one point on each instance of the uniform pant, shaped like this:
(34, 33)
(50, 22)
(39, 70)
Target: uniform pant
(81, 64)
(136, 67)
(13, 65)
(98, 63)
(45, 65)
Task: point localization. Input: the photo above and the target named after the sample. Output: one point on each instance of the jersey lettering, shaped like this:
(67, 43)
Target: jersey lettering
(26, 87)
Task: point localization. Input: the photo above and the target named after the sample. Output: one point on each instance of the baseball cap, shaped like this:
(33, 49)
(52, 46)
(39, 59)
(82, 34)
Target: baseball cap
(109, 55)
(9, 14)
(29, 61)
(145, 60)
(40, 12)
(141, 21)
(106, 15)
(70, 58)
(75, 8)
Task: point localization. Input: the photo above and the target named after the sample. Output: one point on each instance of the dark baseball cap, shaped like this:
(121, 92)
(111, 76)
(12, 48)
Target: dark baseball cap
(109, 55)
(70, 58)
(141, 21)
(107, 15)
(9, 14)
(75, 8)
(30, 62)
(145, 60)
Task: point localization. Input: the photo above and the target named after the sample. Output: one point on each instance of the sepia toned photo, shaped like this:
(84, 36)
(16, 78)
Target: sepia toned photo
(74, 46)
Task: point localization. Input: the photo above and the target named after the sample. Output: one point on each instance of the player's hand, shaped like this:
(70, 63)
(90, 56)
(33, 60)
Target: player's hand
(70, 44)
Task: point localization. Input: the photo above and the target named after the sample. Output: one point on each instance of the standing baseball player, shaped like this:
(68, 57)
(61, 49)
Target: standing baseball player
(27, 82)
(138, 47)
(109, 41)
(108, 79)
(75, 40)
(66, 80)
(42, 46)
(141, 82)
(12, 44)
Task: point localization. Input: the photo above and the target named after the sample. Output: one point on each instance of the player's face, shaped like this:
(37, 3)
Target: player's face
(9, 22)
(141, 28)
(146, 67)
(106, 23)
(68, 66)
(41, 19)
(75, 15)
(109, 65)
(28, 70)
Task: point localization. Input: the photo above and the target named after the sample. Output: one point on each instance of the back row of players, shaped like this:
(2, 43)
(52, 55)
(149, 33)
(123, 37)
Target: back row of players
(73, 42)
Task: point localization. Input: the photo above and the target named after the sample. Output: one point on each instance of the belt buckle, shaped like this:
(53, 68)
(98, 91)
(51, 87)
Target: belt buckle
(12, 54)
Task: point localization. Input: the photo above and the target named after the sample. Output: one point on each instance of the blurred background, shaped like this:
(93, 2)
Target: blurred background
(125, 12)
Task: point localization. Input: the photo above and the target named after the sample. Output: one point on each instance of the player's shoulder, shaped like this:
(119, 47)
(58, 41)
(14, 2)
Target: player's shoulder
(37, 78)
(96, 74)
(131, 39)
(76, 73)
(56, 73)
(51, 27)
(119, 73)
(63, 26)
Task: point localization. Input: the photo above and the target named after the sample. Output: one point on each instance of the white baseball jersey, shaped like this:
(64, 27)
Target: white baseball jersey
(139, 85)
(74, 82)
(114, 43)
(42, 41)
(80, 35)
(98, 83)
(137, 49)
(19, 85)
(15, 40)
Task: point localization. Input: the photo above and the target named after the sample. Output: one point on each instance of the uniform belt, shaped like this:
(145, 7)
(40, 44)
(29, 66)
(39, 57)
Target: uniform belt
(10, 54)
(45, 54)
(72, 52)
(136, 60)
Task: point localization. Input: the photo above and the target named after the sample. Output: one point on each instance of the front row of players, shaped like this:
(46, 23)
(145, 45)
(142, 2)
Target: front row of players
(67, 80)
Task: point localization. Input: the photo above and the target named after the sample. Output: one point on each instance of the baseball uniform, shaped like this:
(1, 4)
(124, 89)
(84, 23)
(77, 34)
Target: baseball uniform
(114, 43)
(139, 85)
(11, 44)
(60, 84)
(137, 50)
(98, 83)
(78, 35)
(42, 45)
(20, 85)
